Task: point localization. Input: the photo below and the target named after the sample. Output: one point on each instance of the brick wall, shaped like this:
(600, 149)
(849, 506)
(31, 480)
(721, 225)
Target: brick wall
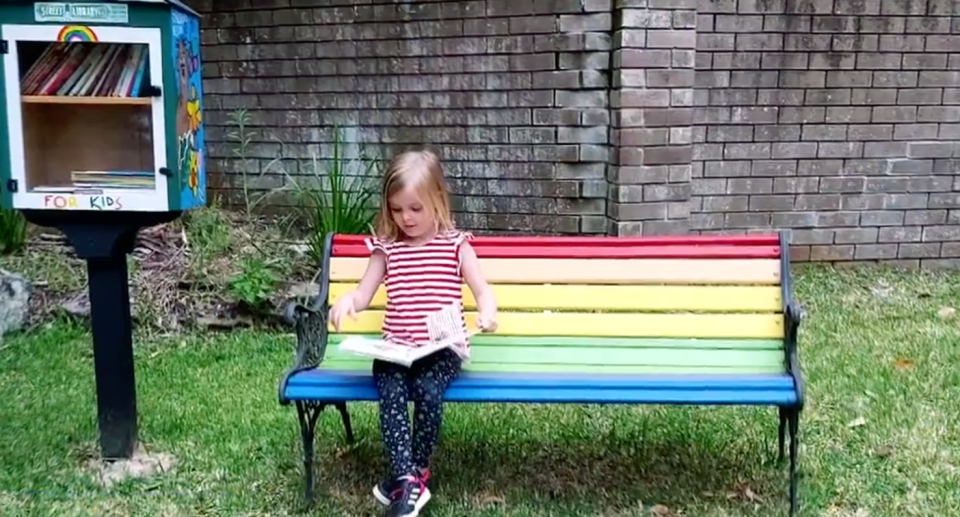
(512, 93)
(837, 119)
(650, 172)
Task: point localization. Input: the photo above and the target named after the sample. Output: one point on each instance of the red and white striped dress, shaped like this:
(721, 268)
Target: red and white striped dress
(420, 280)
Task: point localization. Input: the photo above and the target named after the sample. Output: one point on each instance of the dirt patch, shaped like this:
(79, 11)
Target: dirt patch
(213, 269)
(143, 464)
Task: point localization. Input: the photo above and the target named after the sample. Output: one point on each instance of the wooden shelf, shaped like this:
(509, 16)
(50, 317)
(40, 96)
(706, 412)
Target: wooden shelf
(55, 99)
(74, 189)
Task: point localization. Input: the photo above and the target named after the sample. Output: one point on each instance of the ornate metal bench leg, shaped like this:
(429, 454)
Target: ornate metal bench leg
(342, 406)
(308, 413)
(794, 422)
(782, 431)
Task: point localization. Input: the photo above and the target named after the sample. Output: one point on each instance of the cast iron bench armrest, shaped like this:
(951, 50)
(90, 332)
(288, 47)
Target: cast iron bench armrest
(792, 315)
(310, 324)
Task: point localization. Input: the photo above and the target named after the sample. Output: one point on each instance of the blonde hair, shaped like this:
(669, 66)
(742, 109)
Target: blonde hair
(422, 171)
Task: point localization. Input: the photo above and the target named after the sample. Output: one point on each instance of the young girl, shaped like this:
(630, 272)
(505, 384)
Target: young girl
(422, 260)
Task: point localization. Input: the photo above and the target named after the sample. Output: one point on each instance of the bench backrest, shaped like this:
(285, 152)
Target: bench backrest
(700, 304)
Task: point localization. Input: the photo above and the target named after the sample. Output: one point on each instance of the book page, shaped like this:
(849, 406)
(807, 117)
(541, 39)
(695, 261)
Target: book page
(387, 351)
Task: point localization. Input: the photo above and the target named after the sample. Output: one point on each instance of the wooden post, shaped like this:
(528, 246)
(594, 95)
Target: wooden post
(104, 240)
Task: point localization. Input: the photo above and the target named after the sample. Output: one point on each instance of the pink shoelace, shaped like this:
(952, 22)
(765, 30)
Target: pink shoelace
(420, 479)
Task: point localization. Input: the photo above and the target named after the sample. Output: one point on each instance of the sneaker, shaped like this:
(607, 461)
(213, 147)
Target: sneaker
(382, 490)
(408, 498)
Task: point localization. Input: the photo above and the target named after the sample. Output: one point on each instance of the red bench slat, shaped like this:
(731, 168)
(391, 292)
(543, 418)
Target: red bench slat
(730, 247)
(353, 250)
(613, 242)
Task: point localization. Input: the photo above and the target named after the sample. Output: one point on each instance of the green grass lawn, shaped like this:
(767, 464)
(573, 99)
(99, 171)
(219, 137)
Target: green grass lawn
(880, 435)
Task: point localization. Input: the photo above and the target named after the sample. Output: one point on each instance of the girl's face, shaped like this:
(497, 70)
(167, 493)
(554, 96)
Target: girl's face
(411, 214)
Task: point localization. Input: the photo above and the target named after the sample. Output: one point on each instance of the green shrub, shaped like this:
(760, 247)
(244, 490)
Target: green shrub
(13, 231)
(254, 284)
(335, 195)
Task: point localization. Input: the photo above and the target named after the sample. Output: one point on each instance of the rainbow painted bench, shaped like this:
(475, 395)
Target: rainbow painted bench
(650, 320)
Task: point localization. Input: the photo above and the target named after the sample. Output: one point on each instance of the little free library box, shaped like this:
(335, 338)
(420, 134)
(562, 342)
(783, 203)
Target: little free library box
(101, 134)
(101, 106)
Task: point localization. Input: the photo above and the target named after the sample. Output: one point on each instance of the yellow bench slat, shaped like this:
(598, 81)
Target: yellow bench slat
(602, 271)
(608, 324)
(613, 297)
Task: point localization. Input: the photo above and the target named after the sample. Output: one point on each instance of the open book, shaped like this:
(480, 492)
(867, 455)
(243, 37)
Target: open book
(445, 328)
(392, 352)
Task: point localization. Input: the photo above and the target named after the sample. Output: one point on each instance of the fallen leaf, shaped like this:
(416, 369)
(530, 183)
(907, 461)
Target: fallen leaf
(744, 493)
(884, 451)
(859, 421)
(882, 289)
(660, 510)
(947, 313)
(845, 511)
(902, 364)
(490, 499)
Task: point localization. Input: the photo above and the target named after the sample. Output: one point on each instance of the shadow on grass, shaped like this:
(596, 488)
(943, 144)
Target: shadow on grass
(602, 474)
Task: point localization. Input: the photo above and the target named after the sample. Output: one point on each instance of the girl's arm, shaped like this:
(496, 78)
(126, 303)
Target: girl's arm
(486, 303)
(370, 281)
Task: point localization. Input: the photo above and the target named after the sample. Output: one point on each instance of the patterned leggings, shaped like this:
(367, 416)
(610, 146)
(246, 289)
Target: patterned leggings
(423, 383)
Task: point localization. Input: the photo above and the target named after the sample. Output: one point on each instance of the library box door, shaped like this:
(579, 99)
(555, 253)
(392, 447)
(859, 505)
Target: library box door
(85, 124)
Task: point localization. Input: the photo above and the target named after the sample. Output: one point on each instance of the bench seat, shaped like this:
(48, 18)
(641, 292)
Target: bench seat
(583, 370)
(756, 389)
(701, 320)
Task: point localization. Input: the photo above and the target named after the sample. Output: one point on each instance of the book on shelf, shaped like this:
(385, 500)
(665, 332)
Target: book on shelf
(56, 189)
(100, 180)
(392, 352)
(87, 70)
(112, 179)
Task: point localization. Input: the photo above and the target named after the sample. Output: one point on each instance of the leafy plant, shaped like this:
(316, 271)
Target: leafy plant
(13, 231)
(241, 138)
(254, 283)
(206, 231)
(338, 198)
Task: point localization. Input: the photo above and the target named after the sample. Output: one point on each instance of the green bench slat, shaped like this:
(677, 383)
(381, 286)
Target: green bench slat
(603, 355)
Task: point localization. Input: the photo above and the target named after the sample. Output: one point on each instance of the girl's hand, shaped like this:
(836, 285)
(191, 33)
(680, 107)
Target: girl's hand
(487, 322)
(486, 304)
(344, 306)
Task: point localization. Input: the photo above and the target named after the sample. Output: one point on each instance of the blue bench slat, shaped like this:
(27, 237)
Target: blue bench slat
(546, 388)
(565, 395)
(569, 380)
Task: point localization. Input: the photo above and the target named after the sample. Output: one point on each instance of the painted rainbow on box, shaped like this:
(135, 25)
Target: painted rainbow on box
(76, 33)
